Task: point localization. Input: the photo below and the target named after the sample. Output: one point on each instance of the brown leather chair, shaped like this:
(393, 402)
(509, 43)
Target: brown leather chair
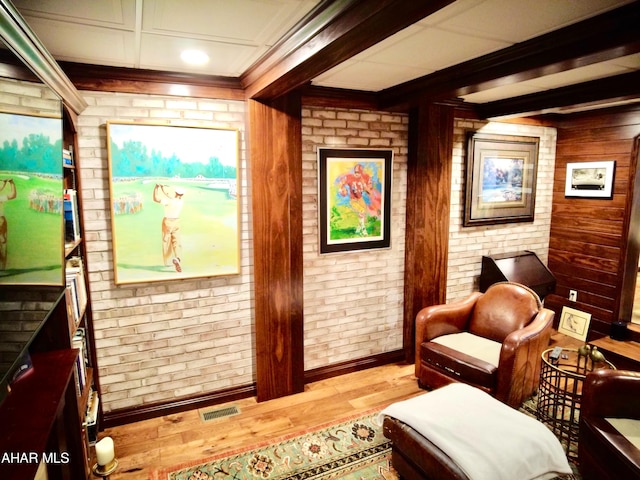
(492, 340)
(603, 451)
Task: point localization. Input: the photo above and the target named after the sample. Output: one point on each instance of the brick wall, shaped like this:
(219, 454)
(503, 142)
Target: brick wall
(352, 301)
(163, 340)
(467, 245)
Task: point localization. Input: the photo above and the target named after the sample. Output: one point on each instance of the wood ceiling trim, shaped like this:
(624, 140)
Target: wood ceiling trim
(132, 80)
(617, 88)
(331, 34)
(604, 37)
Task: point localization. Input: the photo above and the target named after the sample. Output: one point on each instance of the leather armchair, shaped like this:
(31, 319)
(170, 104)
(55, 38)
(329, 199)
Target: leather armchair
(492, 340)
(603, 451)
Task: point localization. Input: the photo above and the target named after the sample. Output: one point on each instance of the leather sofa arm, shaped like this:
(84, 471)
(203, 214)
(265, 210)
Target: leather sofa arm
(611, 393)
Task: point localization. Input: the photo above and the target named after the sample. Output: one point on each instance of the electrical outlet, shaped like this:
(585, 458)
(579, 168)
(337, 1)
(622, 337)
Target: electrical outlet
(573, 295)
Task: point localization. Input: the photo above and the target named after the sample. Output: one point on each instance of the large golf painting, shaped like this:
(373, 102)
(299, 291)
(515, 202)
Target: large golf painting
(31, 207)
(174, 201)
(355, 199)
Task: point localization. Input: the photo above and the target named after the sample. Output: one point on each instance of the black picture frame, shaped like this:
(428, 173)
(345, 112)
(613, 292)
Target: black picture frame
(354, 192)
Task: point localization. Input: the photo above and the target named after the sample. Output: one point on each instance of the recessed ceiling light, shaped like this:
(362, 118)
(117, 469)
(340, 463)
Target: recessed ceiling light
(194, 57)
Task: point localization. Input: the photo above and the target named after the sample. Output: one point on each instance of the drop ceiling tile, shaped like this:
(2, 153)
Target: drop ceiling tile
(519, 20)
(86, 44)
(578, 75)
(246, 21)
(163, 53)
(112, 13)
(368, 76)
(431, 48)
(630, 61)
(500, 93)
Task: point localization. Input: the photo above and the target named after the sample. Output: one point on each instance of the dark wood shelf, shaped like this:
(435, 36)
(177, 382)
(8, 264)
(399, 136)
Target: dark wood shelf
(29, 413)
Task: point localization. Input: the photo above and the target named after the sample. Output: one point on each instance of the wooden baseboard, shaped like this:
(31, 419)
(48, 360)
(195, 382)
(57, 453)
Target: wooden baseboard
(350, 366)
(130, 415)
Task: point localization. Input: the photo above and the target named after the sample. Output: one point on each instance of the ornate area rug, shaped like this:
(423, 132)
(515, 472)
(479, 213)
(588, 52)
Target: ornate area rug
(352, 449)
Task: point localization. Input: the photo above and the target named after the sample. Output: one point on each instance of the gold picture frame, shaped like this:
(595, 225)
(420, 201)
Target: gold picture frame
(175, 208)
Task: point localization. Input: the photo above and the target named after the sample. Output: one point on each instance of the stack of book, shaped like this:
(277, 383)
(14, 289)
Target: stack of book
(71, 216)
(76, 292)
(78, 342)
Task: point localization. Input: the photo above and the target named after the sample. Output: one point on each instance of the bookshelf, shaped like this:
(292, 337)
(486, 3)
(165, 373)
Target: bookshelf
(77, 294)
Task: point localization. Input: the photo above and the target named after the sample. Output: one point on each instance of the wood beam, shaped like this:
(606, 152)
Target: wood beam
(429, 174)
(610, 35)
(617, 88)
(275, 136)
(329, 35)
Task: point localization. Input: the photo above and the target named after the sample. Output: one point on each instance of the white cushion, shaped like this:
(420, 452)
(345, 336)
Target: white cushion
(628, 427)
(486, 438)
(472, 345)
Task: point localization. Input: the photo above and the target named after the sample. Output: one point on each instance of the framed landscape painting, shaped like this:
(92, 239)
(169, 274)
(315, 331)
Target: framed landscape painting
(501, 179)
(174, 201)
(354, 199)
(31, 206)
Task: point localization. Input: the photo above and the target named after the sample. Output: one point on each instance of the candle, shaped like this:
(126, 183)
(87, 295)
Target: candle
(104, 451)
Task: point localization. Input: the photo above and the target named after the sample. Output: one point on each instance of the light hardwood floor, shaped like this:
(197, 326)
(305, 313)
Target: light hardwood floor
(174, 439)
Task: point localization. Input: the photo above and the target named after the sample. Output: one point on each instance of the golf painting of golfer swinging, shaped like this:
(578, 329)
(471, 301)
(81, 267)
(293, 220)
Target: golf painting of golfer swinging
(174, 201)
(354, 198)
(31, 204)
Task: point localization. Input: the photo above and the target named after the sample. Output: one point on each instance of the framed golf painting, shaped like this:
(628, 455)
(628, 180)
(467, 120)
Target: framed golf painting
(31, 203)
(354, 199)
(174, 201)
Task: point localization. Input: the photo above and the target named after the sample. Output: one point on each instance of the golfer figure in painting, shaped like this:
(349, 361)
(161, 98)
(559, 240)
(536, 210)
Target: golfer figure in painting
(355, 185)
(171, 199)
(7, 192)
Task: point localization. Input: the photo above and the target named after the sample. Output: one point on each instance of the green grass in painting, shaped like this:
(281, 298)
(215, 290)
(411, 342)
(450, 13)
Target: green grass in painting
(344, 222)
(208, 223)
(34, 239)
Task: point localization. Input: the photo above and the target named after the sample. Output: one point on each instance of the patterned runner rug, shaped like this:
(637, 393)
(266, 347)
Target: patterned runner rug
(350, 449)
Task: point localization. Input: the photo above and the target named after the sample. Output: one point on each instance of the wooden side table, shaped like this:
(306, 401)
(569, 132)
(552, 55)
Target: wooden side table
(560, 393)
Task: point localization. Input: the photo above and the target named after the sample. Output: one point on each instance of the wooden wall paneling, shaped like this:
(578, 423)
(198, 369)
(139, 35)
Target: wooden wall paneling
(632, 236)
(428, 206)
(275, 135)
(587, 245)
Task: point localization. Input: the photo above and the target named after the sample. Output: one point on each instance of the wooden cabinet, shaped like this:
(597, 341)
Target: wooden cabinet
(39, 416)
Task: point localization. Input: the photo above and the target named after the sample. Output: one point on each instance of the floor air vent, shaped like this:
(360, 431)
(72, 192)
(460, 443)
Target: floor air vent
(209, 415)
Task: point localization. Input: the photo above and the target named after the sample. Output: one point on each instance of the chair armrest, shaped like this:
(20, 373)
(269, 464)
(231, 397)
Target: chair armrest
(611, 393)
(520, 357)
(539, 326)
(437, 320)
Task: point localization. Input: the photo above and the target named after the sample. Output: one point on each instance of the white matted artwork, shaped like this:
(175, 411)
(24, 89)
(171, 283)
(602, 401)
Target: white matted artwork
(574, 323)
(590, 179)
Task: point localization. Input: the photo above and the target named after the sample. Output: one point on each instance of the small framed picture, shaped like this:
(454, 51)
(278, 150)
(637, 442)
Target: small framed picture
(590, 179)
(574, 323)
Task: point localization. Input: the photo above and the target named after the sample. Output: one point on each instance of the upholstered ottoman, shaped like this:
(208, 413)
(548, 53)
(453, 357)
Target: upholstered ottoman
(460, 432)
